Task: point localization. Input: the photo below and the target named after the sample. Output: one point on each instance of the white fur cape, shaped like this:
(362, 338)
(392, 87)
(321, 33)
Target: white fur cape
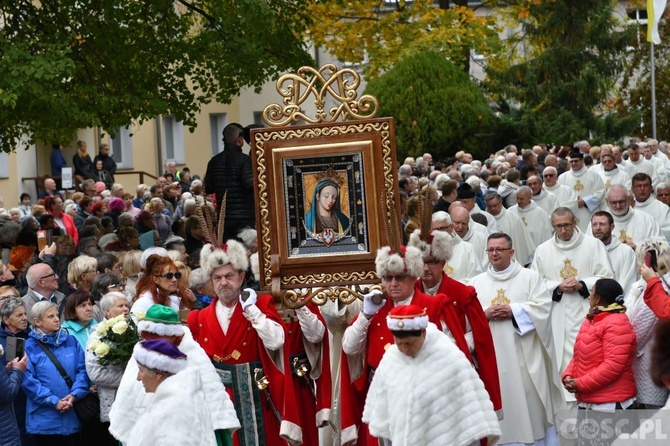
(177, 414)
(433, 399)
(131, 399)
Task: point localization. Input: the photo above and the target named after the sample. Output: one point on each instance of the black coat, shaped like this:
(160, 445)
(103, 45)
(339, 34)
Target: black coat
(83, 165)
(231, 171)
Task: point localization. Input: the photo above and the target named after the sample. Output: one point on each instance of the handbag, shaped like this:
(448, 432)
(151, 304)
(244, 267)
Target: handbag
(86, 408)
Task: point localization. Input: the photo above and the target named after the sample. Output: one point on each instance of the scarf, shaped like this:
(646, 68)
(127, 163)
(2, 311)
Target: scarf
(580, 172)
(511, 271)
(611, 308)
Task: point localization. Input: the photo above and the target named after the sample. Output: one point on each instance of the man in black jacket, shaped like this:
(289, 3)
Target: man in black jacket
(231, 171)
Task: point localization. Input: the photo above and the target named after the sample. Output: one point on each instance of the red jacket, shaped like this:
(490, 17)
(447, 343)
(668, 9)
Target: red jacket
(603, 359)
(657, 299)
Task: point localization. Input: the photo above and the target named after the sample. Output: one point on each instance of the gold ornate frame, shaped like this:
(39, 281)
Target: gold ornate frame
(323, 276)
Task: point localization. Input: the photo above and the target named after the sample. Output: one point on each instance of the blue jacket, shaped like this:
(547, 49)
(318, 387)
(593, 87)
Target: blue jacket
(57, 162)
(44, 386)
(20, 398)
(10, 384)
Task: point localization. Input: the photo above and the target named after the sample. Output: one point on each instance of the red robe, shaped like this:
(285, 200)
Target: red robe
(313, 413)
(464, 300)
(354, 391)
(244, 339)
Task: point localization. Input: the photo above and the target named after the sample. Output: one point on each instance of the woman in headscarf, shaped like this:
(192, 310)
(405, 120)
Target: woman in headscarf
(324, 212)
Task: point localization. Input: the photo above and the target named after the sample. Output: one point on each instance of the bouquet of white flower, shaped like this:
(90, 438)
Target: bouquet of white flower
(115, 340)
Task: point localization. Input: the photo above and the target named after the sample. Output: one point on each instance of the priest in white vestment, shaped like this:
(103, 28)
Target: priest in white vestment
(546, 200)
(464, 263)
(535, 220)
(609, 172)
(662, 158)
(565, 195)
(641, 165)
(465, 228)
(570, 263)
(631, 227)
(466, 195)
(587, 185)
(621, 163)
(658, 164)
(645, 202)
(518, 306)
(510, 224)
(622, 257)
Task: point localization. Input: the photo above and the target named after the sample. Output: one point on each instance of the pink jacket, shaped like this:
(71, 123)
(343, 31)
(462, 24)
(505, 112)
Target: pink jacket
(603, 359)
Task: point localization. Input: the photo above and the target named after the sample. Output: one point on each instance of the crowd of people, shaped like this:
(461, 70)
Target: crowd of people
(538, 289)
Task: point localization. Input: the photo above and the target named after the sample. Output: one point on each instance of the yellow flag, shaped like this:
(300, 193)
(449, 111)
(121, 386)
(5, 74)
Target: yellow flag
(655, 9)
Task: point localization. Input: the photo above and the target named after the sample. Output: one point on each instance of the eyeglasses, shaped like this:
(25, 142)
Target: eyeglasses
(618, 203)
(48, 275)
(663, 195)
(3, 298)
(123, 284)
(433, 262)
(497, 250)
(549, 175)
(641, 186)
(563, 227)
(397, 277)
(170, 276)
(441, 228)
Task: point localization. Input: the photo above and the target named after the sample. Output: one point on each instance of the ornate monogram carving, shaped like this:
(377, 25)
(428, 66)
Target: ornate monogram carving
(297, 298)
(568, 270)
(327, 81)
(501, 298)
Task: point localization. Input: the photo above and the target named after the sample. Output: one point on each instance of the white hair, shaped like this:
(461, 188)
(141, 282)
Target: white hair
(441, 216)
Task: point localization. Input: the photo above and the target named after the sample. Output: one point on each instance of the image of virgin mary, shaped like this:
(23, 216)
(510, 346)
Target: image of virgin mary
(325, 222)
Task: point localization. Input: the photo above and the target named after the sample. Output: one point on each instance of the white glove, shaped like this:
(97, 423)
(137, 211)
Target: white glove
(251, 300)
(369, 307)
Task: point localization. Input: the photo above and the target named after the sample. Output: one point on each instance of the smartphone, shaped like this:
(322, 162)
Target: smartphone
(41, 240)
(650, 259)
(16, 348)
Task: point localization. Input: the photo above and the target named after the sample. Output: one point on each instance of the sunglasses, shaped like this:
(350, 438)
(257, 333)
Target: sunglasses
(170, 276)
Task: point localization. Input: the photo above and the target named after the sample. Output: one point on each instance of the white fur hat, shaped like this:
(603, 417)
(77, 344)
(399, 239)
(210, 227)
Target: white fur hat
(439, 244)
(160, 356)
(407, 261)
(232, 252)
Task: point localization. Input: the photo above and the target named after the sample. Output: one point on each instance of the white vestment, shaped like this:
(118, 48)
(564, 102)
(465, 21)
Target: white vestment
(478, 241)
(659, 210)
(511, 224)
(565, 195)
(624, 263)
(492, 225)
(634, 227)
(432, 399)
(627, 167)
(547, 201)
(589, 187)
(535, 220)
(645, 166)
(132, 401)
(663, 161)
(659, 165)
(529, 382)
(612, 177)
(177, 414)
(464, 263)
(584, 258)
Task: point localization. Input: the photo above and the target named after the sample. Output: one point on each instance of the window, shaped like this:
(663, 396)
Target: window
(173, 135)
(121, 148)
(217, 122)
(4, 165)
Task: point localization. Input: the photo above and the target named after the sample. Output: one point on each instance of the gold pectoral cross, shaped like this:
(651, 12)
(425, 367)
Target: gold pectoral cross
(523, 219)
(568, 270)
(578, 186)
(625, 238)
(608, 183)
(500, 299)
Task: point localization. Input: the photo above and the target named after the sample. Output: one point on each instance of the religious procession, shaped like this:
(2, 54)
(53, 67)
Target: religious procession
(306, 284)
